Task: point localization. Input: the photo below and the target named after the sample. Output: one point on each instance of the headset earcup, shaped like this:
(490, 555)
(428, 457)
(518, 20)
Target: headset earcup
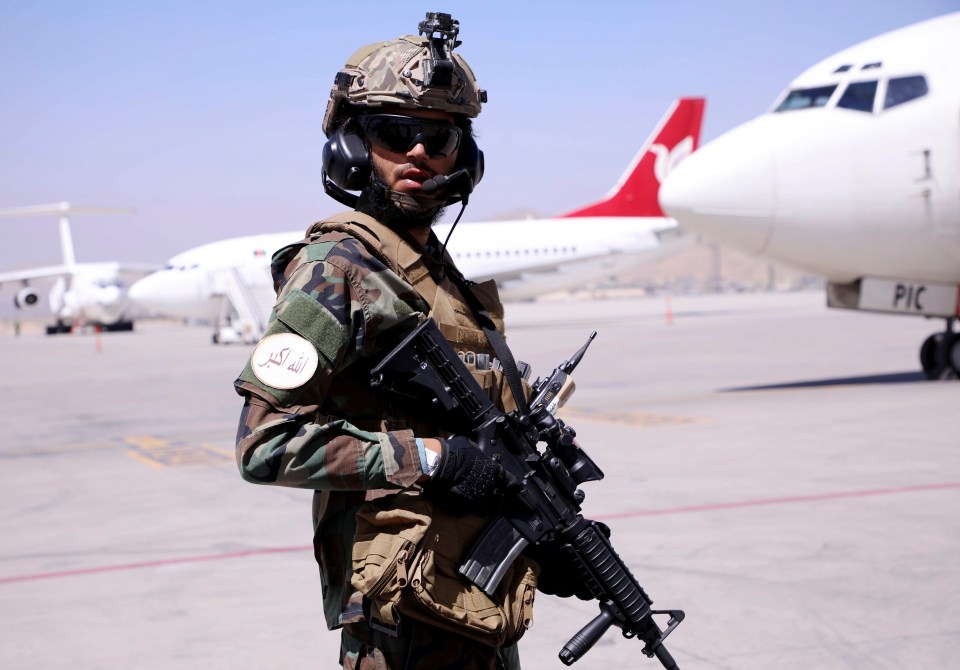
(470, 158)
(346, 160)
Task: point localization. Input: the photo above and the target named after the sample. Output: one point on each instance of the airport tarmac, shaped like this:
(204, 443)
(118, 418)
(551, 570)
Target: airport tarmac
(781, 472)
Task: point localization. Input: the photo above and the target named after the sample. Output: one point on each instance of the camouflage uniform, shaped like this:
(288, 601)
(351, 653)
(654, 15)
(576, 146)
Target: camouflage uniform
(353, 288)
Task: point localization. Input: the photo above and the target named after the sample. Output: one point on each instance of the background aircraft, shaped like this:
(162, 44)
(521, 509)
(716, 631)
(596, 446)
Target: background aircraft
(82, 293)
(229, 283)
(853, 174)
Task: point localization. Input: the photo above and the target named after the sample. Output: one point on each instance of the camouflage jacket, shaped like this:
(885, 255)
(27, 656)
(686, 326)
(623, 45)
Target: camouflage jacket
(345, 304)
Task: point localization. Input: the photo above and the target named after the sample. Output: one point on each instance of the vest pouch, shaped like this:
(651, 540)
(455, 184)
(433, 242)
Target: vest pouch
(497, 388)
(413, 572)
(384, 547)
(444, 598)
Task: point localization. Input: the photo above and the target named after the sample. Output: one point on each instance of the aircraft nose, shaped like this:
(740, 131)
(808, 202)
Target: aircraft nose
(146, 292)
(169, 293)
(726, 190)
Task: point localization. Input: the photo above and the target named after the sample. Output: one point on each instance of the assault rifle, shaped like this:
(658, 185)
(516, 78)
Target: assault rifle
(423, 369)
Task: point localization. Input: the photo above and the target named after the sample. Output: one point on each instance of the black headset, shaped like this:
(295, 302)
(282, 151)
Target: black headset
(346, 166)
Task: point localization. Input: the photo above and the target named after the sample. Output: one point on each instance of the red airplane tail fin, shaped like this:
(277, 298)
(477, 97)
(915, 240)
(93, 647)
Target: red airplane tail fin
(676, 136)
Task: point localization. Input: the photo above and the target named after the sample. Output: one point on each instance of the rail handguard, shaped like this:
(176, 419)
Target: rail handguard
(424, 370)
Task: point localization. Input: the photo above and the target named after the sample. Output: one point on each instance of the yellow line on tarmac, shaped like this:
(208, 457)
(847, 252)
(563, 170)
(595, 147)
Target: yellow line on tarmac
(144, 459)
(229, 453)
(176, 452)
(145, 441)
(48, 451)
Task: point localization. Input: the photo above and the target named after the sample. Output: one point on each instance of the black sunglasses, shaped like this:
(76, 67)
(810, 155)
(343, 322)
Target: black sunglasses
(399, 134)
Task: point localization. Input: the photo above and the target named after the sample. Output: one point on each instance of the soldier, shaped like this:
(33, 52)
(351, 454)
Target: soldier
(398, 124)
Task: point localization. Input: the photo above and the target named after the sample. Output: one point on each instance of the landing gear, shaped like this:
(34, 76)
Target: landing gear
(119, 327)
(940, 354)
(59, 328)
(63, 327)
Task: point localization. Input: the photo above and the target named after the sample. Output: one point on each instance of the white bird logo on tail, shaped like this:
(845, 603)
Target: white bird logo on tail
(667, 160)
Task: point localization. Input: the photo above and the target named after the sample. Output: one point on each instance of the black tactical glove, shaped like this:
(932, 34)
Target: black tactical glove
(559, 574)
(467, 480)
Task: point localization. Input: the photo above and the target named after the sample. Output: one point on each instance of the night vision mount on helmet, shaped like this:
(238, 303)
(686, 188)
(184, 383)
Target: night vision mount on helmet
(411, 72)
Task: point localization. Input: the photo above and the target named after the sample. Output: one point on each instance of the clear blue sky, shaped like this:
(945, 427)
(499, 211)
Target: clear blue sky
(205, 116)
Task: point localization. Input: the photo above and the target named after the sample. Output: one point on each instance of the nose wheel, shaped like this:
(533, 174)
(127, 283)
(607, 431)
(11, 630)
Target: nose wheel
(940, 354)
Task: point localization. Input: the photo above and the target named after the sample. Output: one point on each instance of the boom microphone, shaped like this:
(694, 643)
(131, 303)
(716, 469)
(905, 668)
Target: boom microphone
(431, 186)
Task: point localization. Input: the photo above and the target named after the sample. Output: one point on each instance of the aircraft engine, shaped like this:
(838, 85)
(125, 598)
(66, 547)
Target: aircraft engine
(26, 298)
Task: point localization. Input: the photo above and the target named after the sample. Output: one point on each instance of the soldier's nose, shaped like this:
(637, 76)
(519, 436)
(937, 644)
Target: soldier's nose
(417, 151)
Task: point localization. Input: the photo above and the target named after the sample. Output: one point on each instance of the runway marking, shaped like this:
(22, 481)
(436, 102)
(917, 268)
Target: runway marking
(763, 502)
(643, 419)
(149, 450)
(159, 453)
(920, 488)
(145, 460)
(54, 451)
(152, 564)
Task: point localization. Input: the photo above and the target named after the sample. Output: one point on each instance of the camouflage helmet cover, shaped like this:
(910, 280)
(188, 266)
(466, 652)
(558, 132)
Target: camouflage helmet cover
(394, 74)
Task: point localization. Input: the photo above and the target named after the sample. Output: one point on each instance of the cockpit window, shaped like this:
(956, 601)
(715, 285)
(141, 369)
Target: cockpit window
(905, 89)
(859, 96)
(842, 68)
(804, 98)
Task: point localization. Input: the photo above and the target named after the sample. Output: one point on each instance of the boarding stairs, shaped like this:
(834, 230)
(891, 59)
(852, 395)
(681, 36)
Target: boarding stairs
(245, 306)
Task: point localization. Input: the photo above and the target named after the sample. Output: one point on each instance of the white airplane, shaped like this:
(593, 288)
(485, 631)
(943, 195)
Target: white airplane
(229, 282)
(82, 293)
(853, 174)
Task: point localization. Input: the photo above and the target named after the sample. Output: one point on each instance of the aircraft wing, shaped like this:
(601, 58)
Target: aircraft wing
(133, 270)
(50, 271)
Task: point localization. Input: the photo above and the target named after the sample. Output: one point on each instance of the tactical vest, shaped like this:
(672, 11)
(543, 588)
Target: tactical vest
(448, 308)
(335, 512)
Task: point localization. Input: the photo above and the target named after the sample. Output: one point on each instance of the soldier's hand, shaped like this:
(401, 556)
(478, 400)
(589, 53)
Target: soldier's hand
(559, 575)
(467, 480)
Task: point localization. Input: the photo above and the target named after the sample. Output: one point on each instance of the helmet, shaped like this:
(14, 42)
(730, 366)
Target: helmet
(416, 72)
(409, 72)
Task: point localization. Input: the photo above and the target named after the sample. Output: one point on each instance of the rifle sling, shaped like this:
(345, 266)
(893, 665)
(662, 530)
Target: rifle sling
(497, 343)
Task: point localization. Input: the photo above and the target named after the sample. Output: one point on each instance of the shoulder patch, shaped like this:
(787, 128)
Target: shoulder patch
(284, 361)
(317, 250)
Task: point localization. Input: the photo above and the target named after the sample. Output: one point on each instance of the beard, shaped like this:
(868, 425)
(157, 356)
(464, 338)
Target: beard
(400, 211)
